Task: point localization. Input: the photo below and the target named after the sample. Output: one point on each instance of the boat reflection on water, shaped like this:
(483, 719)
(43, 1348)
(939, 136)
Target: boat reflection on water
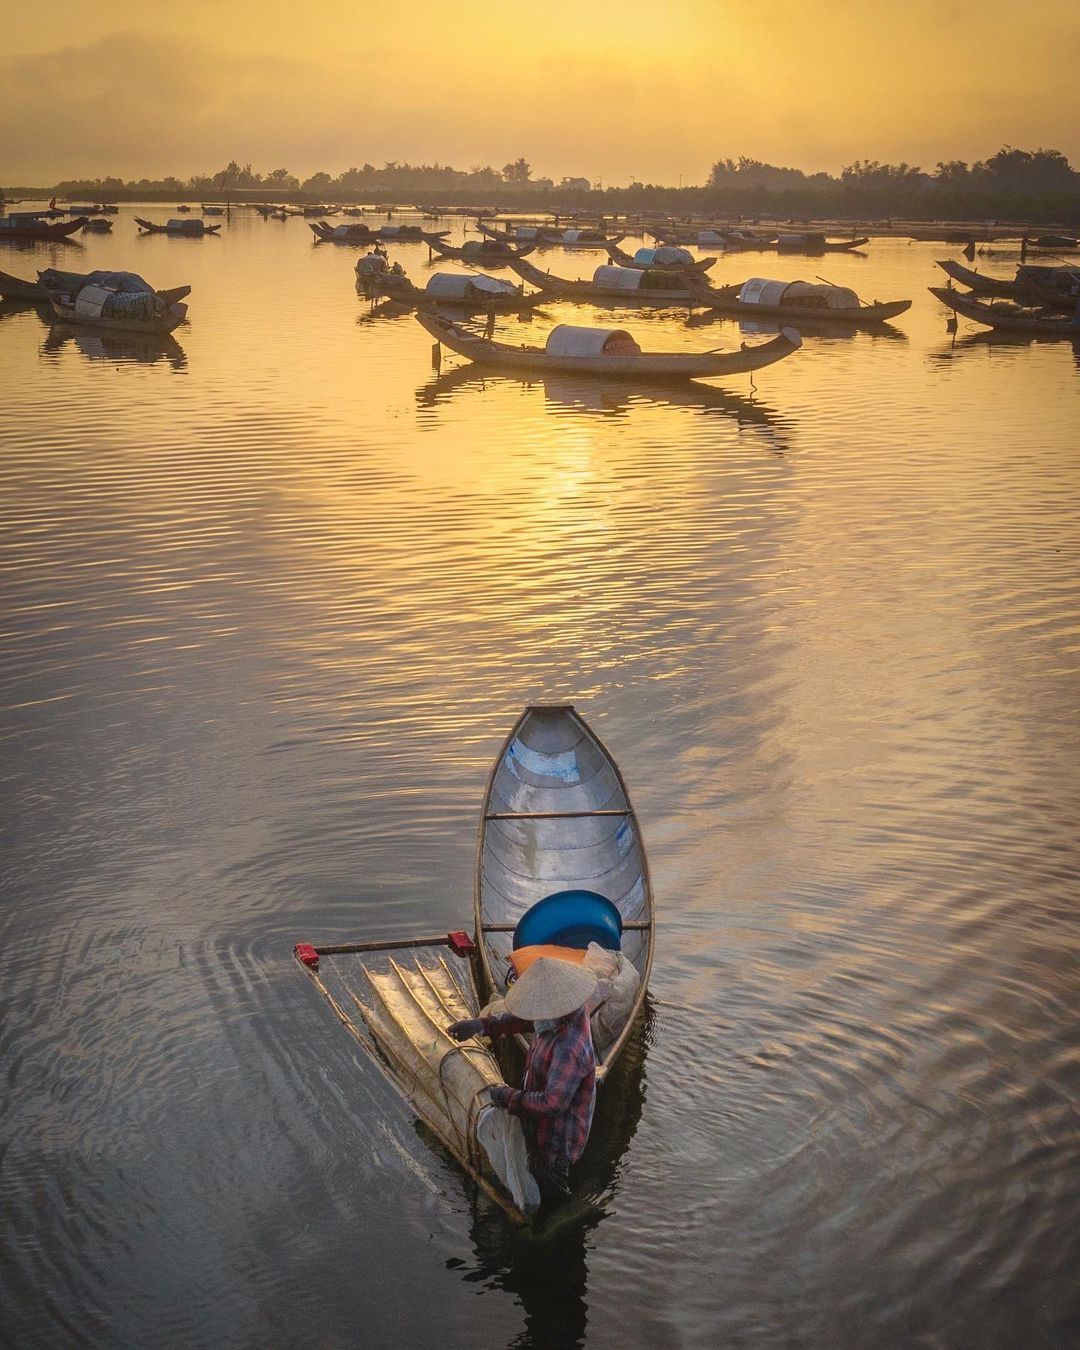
(992, 340)
(145, 349)
(9, 308)
(829, 328)
(544, 1265)
(597, 395)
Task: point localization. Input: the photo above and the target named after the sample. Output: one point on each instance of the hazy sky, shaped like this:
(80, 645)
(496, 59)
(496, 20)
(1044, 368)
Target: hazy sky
(650, 90)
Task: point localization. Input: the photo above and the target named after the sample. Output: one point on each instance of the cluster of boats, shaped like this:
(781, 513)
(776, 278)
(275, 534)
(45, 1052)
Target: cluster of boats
(113, 301)
(1040, 299)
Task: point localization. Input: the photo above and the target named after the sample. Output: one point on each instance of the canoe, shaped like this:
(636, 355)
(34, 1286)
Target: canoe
(620, 285)
(797, 300)
(481, 252)
(652, 365)
(556, 816)
(623, 259)
(184, 229)
(1007, 320)
(557, 820)
(33, 227)
(14, 288)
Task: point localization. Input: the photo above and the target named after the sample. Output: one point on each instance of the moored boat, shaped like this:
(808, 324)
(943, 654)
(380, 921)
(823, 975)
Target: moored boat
(480, 252)
(193, 228)
(815, 242)
(619, 285)
(15, 288)
(97, 226)
(759, 297)
(448, 290)
(19, 225)
(606, 351)
(666, 258)
(123, 302)
(1009, 318)
(544, 236)
(980, 283)
(360, 233)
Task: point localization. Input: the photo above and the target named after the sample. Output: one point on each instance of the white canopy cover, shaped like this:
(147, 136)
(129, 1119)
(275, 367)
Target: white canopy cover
(618, 278)
(762, 291)
(570, 340)
(453, 286)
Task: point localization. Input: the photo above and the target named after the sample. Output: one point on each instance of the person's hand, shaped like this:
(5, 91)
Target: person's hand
(500, 1095)
(466, 1029)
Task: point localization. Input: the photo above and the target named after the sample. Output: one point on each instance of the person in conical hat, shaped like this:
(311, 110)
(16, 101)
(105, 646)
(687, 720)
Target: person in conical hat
(558, 1092)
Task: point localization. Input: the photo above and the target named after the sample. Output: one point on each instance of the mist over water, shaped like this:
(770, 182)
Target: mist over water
(271, 598)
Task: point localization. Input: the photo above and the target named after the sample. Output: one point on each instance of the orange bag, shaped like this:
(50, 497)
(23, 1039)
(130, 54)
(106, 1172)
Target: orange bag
(523, 957)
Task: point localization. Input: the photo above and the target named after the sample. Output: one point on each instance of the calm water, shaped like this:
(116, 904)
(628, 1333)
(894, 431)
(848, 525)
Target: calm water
(272, 598)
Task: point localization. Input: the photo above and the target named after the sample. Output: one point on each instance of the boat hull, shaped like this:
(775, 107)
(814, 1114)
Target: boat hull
(1006, 321)
(651, 365)
(557, 816)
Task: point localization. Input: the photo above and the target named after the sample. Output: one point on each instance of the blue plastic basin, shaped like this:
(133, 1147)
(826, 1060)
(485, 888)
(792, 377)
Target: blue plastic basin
(570, 919)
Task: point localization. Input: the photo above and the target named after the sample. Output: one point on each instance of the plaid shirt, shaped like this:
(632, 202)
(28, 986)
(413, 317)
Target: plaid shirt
(559, 1090)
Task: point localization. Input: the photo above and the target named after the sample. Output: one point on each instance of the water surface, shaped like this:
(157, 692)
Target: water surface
(272, 597)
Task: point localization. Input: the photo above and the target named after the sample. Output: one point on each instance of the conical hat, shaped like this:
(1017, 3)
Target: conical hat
(550, 988)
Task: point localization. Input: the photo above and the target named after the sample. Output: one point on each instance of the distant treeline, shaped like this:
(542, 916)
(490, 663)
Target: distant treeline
(1034, 185)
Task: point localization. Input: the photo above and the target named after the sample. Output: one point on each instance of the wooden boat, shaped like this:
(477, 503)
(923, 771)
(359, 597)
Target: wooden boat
(610, 352)
(445, 290)
(97, 226)
(759, 297)
(1056, 286)
(1008, 319)
(212, 210)
(543, 236)
(363, 234)
(186, 228)
(480, 252)
(676, 259)
(14, 288)
(981, 284)
(814, 242)
(556, 818)
(87, 306)
(29, 225)
(621, 285)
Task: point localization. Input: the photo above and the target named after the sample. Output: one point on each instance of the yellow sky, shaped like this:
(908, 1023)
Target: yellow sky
(642, 88)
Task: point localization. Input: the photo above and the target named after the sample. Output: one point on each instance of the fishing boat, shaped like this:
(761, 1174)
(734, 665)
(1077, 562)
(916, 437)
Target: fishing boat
(759, 297)
(560, 865)
(813, 242)
(1009, 318)
(606, 351)
(981, 284)
(544, 236)
(621, 285)
(14, 288)
(666, 258)
(1056, 286)
(120, 307)
(360, 233)
(193, 228)
(21, 225)
(480, 252)
(449, 290)
(99, 225)
(212, 210)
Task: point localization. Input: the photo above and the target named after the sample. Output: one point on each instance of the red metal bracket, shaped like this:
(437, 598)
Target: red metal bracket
(461, 942)
(307, 955)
